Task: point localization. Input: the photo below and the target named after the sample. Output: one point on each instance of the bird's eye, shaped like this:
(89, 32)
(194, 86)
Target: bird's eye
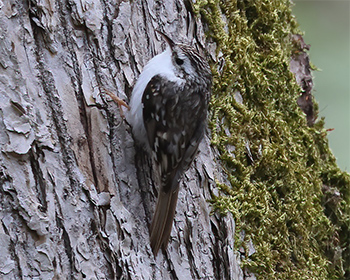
(179, 61)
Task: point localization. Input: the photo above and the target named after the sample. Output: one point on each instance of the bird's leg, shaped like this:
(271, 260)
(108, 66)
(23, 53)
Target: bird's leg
(118, 100)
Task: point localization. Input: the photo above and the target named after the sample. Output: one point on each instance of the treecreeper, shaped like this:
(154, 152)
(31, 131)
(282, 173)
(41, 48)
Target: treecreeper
(168, 115)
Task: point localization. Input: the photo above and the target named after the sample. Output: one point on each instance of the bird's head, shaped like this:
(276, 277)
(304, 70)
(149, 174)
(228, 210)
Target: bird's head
(186, 60)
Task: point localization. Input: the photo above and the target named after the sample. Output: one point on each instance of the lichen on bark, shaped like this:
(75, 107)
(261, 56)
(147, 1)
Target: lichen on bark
(285, 189)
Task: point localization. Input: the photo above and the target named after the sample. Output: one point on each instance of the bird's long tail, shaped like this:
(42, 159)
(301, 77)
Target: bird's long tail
(163, 220)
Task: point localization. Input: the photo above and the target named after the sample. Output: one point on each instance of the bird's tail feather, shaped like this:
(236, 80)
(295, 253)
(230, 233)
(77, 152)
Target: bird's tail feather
(163, 219)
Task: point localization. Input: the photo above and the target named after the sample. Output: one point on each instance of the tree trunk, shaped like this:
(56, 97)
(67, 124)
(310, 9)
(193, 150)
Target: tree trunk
(76, 195)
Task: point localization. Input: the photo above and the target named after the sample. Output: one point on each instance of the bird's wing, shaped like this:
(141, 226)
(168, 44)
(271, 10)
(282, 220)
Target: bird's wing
(174, 118)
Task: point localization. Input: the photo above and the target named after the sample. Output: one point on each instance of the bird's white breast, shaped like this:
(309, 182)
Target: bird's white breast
(161, 64)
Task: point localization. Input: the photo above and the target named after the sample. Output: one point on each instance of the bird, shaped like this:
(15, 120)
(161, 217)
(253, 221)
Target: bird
(168, 115)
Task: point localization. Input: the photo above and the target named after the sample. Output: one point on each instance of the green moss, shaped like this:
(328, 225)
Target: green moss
(288, 194)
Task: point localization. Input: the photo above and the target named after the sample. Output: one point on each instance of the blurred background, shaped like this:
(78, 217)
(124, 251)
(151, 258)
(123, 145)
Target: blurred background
(327, 29)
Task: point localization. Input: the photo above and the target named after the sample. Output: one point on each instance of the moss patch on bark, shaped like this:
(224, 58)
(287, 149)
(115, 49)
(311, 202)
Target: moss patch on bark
(285, 189)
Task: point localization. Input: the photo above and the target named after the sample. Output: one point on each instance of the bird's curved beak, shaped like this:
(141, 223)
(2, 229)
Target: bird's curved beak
(169, 41)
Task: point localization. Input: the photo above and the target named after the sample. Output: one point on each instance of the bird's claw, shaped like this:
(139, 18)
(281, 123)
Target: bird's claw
(117, 100)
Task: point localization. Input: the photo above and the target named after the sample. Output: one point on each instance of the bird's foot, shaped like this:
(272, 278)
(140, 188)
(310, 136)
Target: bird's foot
(118, 100)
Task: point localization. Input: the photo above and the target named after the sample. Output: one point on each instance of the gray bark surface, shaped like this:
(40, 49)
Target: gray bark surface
(76, 194)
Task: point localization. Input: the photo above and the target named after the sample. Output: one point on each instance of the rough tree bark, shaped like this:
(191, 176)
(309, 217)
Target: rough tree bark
(76, 195)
